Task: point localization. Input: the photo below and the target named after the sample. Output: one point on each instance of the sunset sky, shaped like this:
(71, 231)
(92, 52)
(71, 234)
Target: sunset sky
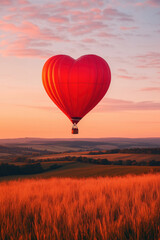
(125, 33)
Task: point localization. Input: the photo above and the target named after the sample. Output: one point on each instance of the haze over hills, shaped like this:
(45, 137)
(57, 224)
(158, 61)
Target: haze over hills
(80, 144)
(151, 141)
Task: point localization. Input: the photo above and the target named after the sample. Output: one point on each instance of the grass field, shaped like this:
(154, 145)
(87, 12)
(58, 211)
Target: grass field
(110, 157)
(79, 170)
(86, 170)
(117, 208)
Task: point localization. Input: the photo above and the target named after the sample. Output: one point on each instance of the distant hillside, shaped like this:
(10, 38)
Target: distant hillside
(104, 140)
(80, 144)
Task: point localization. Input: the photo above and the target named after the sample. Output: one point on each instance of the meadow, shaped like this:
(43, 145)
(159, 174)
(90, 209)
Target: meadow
(101, 208)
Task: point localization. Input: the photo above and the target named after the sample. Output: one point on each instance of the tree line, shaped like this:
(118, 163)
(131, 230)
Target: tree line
(32, 167)
(117, 162)
(100, 161)
(128, 150)
(27, 169)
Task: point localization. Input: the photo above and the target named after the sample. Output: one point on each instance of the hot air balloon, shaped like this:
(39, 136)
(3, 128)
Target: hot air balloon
(76, 86)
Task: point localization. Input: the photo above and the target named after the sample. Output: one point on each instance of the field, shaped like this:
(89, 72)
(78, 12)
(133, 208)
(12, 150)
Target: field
(38, 158)
(90, 208)
(110, 157)
(85, 170)
(74, 190)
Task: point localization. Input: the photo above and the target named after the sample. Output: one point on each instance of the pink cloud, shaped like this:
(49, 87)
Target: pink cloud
(149, 60)
(13, 2)
(36, 12)
(12, 9)
(75, 4)
(153, 3)
(30, 9)
(58, 19)
(3, 43)
(142, 66)
(37, 36)
(92, 14)
(23, 2)
(151, 89)
(96, 10)
(7, 26)
(89, 40)
(24, 48)
(30, 30)
(107, 35)
(122, 70)
(86, 17)
(150, 3)
(139, 4)
(88, 27)
(10, 17)
(142, 78)
(62, 20)
(6, 2)
(109, 104)
(112, 13)
(81, 4)
(128, 28)
(79, 29)
(126, 77)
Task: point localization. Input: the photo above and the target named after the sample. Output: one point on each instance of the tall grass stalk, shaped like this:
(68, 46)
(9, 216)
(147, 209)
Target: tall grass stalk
(63, 208)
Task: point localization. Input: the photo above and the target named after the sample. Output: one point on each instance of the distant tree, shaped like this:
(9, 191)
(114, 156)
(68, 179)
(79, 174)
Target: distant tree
(19, 159)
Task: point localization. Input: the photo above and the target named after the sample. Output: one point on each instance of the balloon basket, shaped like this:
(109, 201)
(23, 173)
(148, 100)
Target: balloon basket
(74, 129)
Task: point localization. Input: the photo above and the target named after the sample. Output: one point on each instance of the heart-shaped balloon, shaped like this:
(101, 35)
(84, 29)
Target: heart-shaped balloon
(76, 86)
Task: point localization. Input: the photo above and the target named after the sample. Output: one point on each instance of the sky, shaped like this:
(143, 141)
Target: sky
(125, 33)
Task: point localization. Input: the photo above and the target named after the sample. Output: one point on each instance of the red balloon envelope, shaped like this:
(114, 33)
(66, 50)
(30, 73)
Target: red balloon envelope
(76, 86)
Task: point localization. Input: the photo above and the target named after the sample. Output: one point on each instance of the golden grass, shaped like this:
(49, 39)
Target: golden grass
(93, 208)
